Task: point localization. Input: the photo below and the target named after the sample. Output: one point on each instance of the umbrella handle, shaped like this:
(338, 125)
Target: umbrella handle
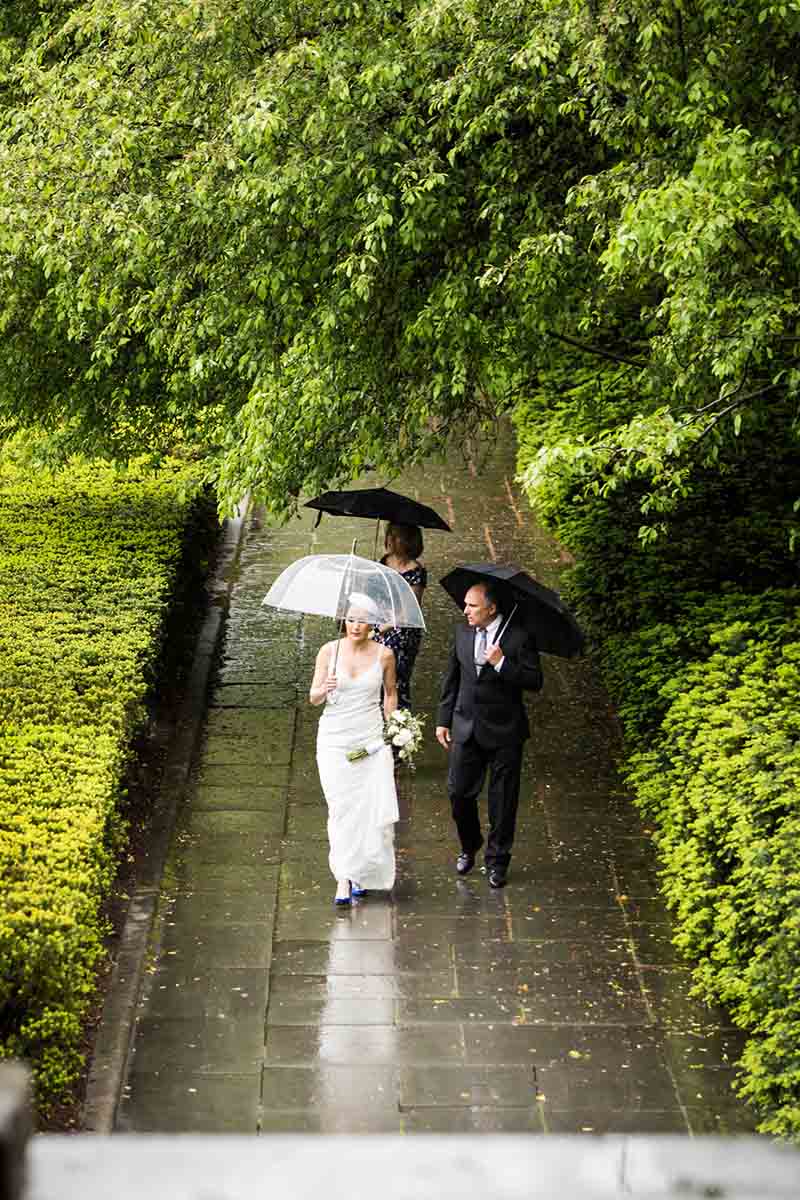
(333, 698)
(344, 587)
(341, 593)
(505, 626)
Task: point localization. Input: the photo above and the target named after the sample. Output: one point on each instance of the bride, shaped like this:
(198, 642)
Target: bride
(360, 793)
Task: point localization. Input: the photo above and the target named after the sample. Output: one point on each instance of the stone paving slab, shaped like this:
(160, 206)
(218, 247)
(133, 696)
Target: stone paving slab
(310, 921)
(230, 993)
(223, 751)
(359, 957)
(199, 910)
(223, 880)
(239, 798)
(197, 854)
(344, 1045)
(556, 1005)
(470, 1120)
(229, 945)
(178, 1101)
(272, 730)
(254, 695)
(222, 826)
(363, 1089)
(203, 1045)
(535, 954)
(238, 775)
(351, 986)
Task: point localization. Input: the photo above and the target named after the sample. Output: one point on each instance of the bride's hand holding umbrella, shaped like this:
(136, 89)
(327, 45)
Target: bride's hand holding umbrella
(331, 684)
(324, 690)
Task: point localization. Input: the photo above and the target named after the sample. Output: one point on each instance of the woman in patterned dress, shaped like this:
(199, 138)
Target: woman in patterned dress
(404, 547)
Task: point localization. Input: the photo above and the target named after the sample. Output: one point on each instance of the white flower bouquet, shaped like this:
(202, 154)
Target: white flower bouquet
(404, 732)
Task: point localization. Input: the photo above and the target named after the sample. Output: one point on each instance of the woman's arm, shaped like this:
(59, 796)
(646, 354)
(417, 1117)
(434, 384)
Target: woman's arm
(418, 590)
(323, 683)
(389, 681)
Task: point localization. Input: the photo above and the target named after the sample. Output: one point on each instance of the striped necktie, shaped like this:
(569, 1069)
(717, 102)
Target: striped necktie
(480, 653)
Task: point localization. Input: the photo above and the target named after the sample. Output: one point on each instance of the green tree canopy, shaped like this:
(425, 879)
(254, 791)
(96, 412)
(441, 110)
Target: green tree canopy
(317, 237)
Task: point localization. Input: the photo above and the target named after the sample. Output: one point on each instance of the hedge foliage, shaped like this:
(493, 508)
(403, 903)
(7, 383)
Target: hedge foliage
(698, 635)
(88, 562)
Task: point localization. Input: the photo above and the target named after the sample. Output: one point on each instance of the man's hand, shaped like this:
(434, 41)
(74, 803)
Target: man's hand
(443, 736)
(494, 654)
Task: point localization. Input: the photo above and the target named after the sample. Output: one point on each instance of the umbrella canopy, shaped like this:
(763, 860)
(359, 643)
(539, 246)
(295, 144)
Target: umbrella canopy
(378, 504)
(332, 585)
(523, 600)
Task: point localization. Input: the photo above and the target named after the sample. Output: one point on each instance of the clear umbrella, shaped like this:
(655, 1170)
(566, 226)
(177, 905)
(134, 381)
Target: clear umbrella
(338, 585)
(331, 585)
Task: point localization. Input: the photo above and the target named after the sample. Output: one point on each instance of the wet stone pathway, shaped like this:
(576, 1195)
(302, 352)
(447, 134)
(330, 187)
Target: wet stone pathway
(554, 1006)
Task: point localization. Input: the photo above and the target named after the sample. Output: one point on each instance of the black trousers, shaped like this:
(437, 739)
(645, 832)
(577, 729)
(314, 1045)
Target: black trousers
(469, 764)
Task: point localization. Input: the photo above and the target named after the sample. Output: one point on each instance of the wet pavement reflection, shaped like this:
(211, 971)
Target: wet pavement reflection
(556, 1005)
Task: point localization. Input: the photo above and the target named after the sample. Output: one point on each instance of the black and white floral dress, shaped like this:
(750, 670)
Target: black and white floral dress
(405, 642)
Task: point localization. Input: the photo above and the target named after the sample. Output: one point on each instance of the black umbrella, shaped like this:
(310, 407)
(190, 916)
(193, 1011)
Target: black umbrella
(534, 606)
(379, 504)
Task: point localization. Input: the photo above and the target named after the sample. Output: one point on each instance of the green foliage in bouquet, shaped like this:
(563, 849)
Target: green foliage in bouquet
(88, 561)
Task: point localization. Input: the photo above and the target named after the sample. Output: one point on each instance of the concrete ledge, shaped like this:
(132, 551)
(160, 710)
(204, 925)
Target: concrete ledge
(711, 1166)
(15, 1128)
(418, 1168)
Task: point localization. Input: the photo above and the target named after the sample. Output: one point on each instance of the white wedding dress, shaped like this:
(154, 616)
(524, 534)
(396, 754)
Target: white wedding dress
(361, 796)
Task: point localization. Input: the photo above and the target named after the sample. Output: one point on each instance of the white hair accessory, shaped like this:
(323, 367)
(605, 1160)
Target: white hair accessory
(358, 602)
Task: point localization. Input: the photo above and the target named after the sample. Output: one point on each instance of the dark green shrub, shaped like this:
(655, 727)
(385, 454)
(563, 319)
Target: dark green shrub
(720, 785)
(698, 636)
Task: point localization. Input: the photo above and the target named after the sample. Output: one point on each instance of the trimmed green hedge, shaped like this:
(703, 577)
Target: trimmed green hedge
(88, 563)
(698, 637)
(721, 782)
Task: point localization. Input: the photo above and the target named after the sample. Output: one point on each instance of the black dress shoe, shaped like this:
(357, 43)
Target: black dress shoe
(497, 878)
(464, 863)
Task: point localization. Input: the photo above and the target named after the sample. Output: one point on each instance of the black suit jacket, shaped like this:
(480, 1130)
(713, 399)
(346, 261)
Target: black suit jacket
(489, 705)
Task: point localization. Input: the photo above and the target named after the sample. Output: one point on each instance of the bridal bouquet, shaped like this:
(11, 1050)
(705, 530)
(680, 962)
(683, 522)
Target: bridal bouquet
(404, 731)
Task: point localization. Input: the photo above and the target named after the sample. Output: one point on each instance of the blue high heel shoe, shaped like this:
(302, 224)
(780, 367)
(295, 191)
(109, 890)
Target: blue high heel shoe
(356, 890)
(342, 901)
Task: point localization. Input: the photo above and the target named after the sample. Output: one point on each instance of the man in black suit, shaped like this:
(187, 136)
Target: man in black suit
(483, 724)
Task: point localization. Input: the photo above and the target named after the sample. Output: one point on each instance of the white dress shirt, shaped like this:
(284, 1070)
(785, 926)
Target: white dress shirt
(491, 633)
